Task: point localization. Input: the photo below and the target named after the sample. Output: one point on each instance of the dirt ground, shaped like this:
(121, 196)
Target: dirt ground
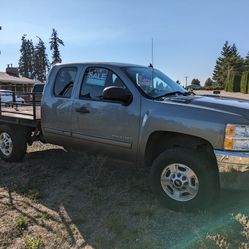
(57, 199)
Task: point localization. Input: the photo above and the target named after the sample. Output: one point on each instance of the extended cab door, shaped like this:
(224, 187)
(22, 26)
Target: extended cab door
(99, 125)
(57, 105)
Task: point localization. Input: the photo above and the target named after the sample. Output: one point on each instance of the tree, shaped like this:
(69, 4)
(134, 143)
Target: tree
(55, 43)
(218, 69)
(246, 62)
(195, 82)
(26, 66)
(41, 62)
(208, 82)
(229, 61)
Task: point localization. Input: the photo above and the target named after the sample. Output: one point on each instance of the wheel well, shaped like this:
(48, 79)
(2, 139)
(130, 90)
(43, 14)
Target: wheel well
(25, 130)
(161, 140)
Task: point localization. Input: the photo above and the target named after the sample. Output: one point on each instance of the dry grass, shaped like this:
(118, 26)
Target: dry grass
(56, 199)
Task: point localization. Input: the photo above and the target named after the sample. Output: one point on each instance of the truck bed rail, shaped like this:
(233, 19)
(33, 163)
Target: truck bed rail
(20, 105)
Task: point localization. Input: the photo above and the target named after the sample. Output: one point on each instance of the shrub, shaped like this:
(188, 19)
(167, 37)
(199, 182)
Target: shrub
(233, 82)
(244, 82)
(213, 87)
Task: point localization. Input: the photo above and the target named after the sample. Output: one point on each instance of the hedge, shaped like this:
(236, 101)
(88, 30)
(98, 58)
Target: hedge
(233, 82)
(244, 82)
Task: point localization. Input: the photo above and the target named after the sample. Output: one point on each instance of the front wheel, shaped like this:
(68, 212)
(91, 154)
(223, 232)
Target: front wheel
(13, 144)
(184, 179)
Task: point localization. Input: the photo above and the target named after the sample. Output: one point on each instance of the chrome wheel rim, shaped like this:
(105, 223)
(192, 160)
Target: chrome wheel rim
(179, 182)
(6, 145)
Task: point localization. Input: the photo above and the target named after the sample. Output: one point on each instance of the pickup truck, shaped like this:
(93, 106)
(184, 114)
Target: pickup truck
(137, 114)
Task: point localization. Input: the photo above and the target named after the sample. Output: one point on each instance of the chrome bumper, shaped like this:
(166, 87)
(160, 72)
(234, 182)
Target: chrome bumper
(233, 169)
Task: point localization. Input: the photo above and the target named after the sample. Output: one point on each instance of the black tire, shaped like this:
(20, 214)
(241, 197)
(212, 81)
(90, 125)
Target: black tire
(19, 143)
(204, 169)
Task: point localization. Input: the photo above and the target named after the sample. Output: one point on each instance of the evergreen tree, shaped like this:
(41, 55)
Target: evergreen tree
(208, 82)
(246, 61)
(218, 74)
(30, 55)
(41, 62)
(229, 61)
(234, 51)
(55, 42)
(26, 67)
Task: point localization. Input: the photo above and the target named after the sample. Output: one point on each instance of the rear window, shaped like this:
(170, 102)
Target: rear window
(64, 82)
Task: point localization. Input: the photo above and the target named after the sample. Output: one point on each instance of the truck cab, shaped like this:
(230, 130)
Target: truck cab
(76, 114)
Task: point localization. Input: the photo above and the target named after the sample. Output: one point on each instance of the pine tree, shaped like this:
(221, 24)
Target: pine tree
(234, 51)
(246, 62)
(41, 62)
(229, 61)
(26, 68)
(218, 74)
(30, 56)
(208, 82)
(55, 42)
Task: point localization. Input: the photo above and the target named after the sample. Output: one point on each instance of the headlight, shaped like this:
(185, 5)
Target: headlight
(236, 137)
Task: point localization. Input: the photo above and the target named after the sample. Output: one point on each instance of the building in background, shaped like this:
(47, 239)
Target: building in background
(11, 80)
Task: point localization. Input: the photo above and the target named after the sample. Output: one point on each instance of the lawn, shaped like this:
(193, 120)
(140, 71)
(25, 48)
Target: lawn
(58, 199)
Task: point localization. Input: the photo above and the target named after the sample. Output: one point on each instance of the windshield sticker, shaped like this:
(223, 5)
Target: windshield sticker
(97, 77)
(144, 81)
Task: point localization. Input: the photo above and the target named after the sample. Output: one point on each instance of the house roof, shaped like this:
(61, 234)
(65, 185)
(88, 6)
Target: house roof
(7, 78)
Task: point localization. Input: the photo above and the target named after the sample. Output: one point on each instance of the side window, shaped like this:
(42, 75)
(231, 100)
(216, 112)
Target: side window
(64, 81)
(95, 80)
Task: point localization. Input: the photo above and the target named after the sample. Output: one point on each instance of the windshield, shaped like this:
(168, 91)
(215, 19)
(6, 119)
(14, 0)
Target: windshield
(153, 82)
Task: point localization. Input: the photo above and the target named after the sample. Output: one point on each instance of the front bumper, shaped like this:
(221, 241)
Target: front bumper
(233, 169)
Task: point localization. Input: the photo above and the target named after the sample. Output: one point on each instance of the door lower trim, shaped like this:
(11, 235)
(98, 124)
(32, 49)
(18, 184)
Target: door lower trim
(102, 140)
(58, 132)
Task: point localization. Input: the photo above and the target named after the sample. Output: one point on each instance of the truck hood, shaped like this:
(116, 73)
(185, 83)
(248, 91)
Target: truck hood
(232, 105)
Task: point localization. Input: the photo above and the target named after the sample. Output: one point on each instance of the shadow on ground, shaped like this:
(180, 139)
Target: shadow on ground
(77, 201)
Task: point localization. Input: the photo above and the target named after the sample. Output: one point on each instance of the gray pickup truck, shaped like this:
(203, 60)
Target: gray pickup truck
(137, 114)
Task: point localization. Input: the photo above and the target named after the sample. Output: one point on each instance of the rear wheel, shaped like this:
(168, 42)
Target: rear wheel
(184, 179)
(13, 144)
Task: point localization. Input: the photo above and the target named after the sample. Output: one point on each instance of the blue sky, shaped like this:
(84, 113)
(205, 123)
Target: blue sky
(188, 34)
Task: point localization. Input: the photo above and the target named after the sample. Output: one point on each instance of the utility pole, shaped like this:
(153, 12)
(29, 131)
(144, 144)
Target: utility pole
(186, 78)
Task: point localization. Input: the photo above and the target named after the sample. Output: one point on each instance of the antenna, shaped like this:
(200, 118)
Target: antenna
(0, 29)
(152, 51)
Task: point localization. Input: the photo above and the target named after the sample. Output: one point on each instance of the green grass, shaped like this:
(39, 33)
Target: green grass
(34, 243)
(21, 223)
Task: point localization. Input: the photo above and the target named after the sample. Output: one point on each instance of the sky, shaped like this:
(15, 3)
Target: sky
(187, 34)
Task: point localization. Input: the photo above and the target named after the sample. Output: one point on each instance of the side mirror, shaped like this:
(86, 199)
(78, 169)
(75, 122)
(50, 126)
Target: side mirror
(116, 93)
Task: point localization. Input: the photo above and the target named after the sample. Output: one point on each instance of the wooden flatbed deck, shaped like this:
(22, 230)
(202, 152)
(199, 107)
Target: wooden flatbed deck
(26, 112)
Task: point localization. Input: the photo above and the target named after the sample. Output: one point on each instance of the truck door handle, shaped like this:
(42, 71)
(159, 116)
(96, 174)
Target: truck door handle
(82, 110)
